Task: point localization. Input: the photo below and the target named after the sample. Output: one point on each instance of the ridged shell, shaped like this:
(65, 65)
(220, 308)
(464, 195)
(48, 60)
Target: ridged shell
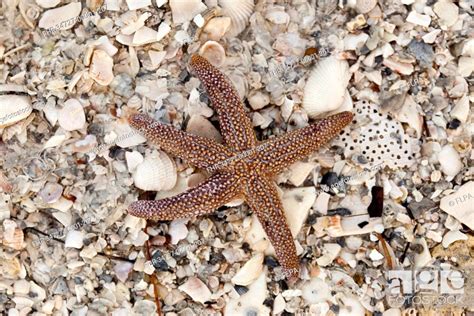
(326, 86)
(239, 12)
(156, 173)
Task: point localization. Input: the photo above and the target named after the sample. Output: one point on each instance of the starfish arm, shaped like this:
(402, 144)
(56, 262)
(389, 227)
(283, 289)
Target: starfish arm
(236, 127)
(278, 153)
(198, 151)
(214, 192)
(264, 200)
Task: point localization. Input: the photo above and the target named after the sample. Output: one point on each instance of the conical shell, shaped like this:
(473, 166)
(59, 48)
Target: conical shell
(326, 86)
(239, 12)
(155, 173)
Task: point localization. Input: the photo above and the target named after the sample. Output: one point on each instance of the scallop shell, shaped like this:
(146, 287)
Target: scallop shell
(185, 10)
(155, 173)
(214, 52)
(326, 86)
(14, 108)
(239, 12)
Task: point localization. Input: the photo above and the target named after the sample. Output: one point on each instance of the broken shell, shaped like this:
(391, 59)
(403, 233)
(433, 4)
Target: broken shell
(48, 3)
(200, 126)
(12, 235)
(326, 86)
(447, 12)
(453, 236)
(62, 18)
(461, 109)
(217, 27)
(239, 12)
(14, 108)
(364, 6)
(250, 271)
(74, 239)
(133, 159)
(461, 204)
(101, 69)
(51, 192)
(71, 117)
(316, 291)
(195, 288)
(296, 204)
(185, 10)
(250, 303)
(449, 160)
(213, 52)
(258, 99)
(156, 173)
(138, 4)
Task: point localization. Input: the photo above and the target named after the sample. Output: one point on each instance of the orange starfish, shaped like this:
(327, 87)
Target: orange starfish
(242, 168)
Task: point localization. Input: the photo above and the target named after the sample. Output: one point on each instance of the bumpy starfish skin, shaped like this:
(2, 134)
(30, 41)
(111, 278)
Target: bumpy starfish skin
(240, 169)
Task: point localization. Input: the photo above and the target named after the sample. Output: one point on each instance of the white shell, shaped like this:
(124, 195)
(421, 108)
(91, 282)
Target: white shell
(239, 12)
(461, 204)
(14, 108)
(74, 239)
(155, 173)
(101, 69)
(48, 3)
(250, 303)
(185, 10)
(62, 18)
(449, 160)
(71, 116)
(447, 12)
(195, 288)
(326, 86)
(138, 4)
(250, 271)
(364, 6)
(296, 204)
(453, 236)
(214, 52)
(316, 291)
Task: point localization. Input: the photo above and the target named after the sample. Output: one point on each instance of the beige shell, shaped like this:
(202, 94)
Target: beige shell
(155, 173)
(214, 52)
(239, 12)
(14, 108)
(326, 86)
(250, 271)
(12, 235)
(195, 288)
(62, 18)
(101, 69)
(71, 117)
(250, 303)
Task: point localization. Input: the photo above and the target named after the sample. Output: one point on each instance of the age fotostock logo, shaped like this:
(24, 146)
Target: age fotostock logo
(426, 286)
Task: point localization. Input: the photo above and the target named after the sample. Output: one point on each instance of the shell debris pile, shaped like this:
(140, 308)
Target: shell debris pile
(393, 192)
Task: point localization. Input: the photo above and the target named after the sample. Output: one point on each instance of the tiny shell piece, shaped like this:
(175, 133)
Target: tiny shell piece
(51, 192)
(419, 19)
(62, 18)
(71, 116)
(364, 6)
(447, 11)
(450, 161)
(74, 239)
(101, 69)
(48, 3)
(217, 27)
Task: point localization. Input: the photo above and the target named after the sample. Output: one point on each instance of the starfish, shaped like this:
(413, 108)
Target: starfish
(242, 168)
